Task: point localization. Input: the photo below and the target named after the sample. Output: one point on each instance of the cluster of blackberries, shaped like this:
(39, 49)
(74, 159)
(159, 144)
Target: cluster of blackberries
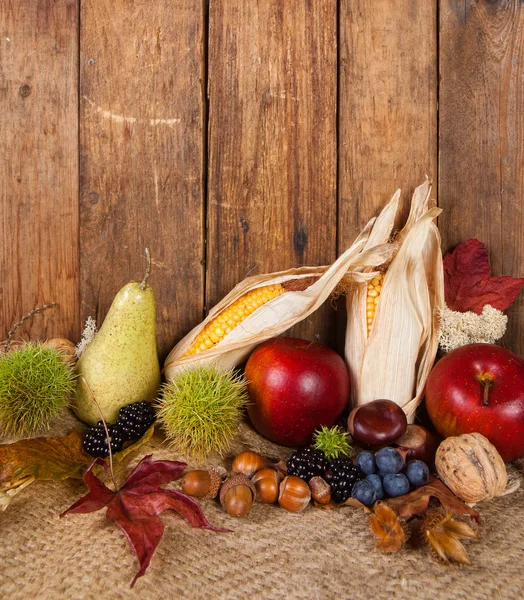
(133, 421)
(341, 474)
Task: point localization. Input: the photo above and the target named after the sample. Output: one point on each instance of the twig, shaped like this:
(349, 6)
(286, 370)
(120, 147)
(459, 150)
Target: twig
(34, 312)
(106, 430)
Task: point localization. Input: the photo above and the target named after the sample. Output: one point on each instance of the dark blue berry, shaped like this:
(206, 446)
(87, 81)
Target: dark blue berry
(364, 491)
(395, 484)
(417, 473)
(366, 462)
(376, 480)
(389, 461)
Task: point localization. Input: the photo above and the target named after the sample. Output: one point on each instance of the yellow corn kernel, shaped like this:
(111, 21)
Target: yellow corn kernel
(229, 318)
(373, 294)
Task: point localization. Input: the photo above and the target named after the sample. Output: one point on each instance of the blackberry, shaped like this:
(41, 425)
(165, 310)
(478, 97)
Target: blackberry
(95, 440)
(342, 476)
(307, 463)
(135, 419)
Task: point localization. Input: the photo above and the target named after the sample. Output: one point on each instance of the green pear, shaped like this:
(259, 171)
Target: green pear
(121, 364)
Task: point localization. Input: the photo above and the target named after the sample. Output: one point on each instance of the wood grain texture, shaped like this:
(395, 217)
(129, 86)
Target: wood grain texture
(39, 166)
(387, 106)
(482, 135)
(141, 146)
(272, 142)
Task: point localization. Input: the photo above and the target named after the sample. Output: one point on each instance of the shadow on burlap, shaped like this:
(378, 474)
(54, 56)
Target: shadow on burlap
(271, 554)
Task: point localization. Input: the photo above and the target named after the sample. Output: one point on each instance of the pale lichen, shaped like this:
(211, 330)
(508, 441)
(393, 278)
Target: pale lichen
(87, 336)
(462, 328)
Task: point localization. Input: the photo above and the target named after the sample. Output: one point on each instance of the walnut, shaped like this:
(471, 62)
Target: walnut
(471, 467)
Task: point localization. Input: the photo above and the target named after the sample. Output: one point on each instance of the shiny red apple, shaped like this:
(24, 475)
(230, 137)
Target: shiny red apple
(295, 386)
(480, 387)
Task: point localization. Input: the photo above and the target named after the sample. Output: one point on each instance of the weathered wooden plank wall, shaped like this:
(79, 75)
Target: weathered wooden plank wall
(481, 157)
(141, 156)
(242, 136)
(39, 259)
(272, 142)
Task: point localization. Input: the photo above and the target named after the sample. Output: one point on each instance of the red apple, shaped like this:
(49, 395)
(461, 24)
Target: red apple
(295, 386)
(480, 387)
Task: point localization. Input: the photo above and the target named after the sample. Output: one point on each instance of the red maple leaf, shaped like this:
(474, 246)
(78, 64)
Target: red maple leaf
(136, 505)
(468, 285)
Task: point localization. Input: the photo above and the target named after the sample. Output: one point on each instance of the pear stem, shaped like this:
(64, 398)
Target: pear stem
(143, 283)
(106, 430)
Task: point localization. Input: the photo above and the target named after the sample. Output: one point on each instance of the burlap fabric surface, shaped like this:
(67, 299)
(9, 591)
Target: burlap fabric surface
(271, 554)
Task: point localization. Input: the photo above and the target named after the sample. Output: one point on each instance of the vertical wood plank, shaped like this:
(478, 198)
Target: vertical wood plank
(388, 105)
(141, 164)
(482, 135)
(39, 163)
(272, 142)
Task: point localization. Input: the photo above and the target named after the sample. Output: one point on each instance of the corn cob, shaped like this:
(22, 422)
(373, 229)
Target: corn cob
(232, 316)
(390, 351)
(372, 296)
(265, 306)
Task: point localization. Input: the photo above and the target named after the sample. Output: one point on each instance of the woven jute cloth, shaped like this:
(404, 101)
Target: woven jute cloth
(271, 554)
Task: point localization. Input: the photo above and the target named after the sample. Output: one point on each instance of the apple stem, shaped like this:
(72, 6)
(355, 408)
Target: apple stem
(143, 283)
(487, 383)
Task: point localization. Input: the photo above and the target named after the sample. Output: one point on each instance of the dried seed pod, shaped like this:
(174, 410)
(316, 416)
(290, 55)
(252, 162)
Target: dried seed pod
(237, 495)
(294, 494)
(63, 346)
(471, 467)
(441, 532)
(320, 490)
(267, 485)
(248, 463)
(203, 483)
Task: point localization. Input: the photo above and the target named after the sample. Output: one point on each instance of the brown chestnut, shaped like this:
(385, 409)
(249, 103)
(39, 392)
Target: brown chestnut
(377, 423)
(418, 444)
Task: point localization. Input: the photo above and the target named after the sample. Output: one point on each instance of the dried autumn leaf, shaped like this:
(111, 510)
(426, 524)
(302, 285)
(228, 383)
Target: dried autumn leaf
(468, 285)
(417, 501)
(387, 527)
(442, 533)
(136, 506)
(43, 458)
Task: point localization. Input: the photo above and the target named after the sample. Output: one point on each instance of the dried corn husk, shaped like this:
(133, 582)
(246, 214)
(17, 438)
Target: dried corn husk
(393, 360)
(280, 313)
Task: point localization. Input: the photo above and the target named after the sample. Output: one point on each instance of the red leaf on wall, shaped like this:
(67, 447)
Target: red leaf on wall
(136, 506)
(468, 285)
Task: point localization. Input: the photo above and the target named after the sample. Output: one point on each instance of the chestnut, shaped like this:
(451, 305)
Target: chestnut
(377, 423)
(418, 444)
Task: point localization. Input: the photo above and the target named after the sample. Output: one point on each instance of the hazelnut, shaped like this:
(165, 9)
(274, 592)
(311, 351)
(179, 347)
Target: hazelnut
(65, 347)
(248, 463)
(294, 494)
(320, 490)
(237, 495)
(267, 485)
(203, 484)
